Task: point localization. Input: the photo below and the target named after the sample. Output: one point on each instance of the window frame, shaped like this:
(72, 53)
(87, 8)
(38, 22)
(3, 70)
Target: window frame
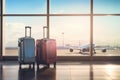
(48, 22)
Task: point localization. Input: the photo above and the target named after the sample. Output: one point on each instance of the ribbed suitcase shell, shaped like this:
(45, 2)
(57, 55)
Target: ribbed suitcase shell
(46, 51)
(26, 50)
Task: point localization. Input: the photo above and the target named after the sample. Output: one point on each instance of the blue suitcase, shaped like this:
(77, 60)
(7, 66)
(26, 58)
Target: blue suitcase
(26, 48)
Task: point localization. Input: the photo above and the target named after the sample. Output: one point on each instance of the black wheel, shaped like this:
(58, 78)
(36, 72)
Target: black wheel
(29, 65)
(94, 52)
(37, 66)
(33, 65)
(54, 64)
(48, 65)
(71, 50)
(80, 52)
(84, 50)
(20, 65)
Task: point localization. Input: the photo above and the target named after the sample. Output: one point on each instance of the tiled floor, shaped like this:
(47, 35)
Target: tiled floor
(63, 71)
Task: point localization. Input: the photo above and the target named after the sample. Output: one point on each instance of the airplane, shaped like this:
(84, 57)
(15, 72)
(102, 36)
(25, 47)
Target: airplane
(85, 48)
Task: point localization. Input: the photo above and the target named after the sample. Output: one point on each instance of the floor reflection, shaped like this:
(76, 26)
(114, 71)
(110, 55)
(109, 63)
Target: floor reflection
(46, 73)
(91, 71)
(0, 72)
(63, 71)
(43, 73)
(26, 74)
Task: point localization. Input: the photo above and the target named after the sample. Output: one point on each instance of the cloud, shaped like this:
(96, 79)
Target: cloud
(14, 30)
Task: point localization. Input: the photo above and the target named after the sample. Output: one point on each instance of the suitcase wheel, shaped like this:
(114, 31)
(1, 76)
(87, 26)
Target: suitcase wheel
(54, 64)
(33, 65)
(48, 65)
(29, 65)
(37, 66)
(20, 65)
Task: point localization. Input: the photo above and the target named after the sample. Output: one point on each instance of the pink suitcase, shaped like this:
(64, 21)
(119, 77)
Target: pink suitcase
(46, 51)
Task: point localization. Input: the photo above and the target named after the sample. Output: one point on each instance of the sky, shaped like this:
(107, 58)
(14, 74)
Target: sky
(107, 6)
(25, 6)
(76, 29)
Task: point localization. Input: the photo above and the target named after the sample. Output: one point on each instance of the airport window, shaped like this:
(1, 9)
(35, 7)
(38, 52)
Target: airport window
(106, 6)
(66, 19)
(69, 6)
(70, 33)
(106, 35)
(14, 28)
(0, 30)
(0, 38)
(25, 6)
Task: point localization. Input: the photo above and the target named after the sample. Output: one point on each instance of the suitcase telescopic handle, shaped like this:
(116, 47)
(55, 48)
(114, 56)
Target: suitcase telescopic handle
(26, 28)
(45, 28)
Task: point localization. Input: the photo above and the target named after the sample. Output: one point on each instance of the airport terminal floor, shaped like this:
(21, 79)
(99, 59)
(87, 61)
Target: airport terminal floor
(82, 70)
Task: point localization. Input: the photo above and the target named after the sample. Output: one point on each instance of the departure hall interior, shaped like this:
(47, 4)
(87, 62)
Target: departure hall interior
(86, 35)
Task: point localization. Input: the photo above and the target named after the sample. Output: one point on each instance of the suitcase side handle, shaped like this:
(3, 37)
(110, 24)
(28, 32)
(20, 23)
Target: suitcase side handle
(44, 28)
(26, 29)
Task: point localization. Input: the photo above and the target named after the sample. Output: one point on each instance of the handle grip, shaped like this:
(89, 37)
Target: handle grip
(26, 28)
(45, 27)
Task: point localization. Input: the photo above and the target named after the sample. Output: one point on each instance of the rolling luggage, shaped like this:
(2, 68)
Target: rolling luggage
(26, 46)
(45, 51)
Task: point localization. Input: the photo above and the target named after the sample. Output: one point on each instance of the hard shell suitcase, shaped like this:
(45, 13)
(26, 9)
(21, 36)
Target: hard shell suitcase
(26, 46)
(46, 51)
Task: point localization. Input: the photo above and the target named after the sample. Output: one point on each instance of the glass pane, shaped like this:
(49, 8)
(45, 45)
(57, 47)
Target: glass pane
(25, 6)
(14, 28)
(106, 35)
(70, 33)
(0, 32)
(107, 6)
(0, 38)
(69, 6)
